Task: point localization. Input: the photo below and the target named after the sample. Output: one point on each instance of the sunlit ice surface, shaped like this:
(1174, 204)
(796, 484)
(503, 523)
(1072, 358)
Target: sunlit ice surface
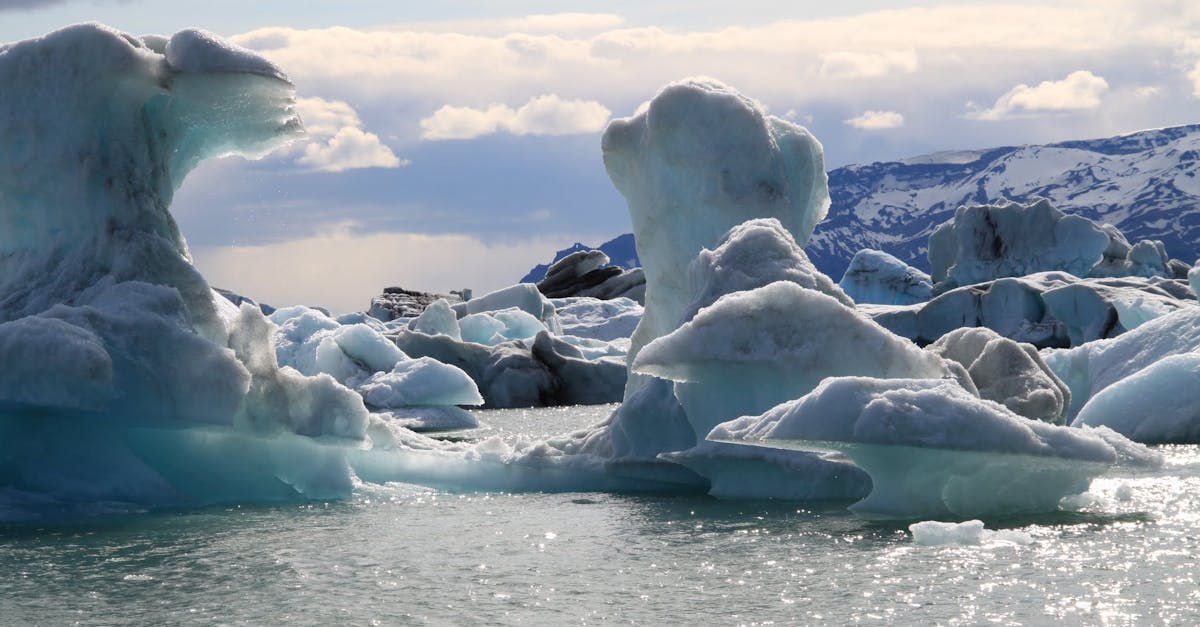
(1121, 553)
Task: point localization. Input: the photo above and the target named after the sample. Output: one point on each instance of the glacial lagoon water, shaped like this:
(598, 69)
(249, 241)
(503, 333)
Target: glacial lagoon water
(1124, 553)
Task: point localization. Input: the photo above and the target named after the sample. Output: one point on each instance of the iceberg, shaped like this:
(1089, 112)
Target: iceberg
(1139, 384)
(877, 278)
(1008, 372)
(935, 450)
(763, 327)
(127, 378)
(594, 319)
(1159, 404)
(1047, 309)
(985, 242)
(701, 159)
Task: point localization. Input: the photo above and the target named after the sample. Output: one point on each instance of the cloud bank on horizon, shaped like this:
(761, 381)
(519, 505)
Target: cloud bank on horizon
(483, 131)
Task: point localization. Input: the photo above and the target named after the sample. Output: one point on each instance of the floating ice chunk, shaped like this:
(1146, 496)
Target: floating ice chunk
(1157, 404)
(518, 325)
(699, 160)
(969, 533)
(480, 328)
(313, 344)
(1089, 369)
(495, 327)
(933, 449)
(775, 343)
(419, 382)
(1010, 373)
(438, 319)
(522, 296)
(598, 319)
(875, 277)
(546, 371)
(985, 242)
(587, 273)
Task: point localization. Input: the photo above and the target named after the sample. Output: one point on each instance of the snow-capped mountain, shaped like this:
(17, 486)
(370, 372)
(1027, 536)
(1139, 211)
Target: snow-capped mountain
(1146, 183)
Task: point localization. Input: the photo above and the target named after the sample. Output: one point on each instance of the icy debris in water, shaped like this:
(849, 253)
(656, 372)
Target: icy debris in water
(969, 533)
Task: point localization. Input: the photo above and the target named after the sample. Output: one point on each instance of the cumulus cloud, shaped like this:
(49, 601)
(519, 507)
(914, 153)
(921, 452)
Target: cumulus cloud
(935, 51)
(337, 140)
(846, 64)
(1079, 90)
(544, 115)
(877, 120)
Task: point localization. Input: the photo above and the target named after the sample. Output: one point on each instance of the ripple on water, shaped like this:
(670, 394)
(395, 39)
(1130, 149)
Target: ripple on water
(1121, 554)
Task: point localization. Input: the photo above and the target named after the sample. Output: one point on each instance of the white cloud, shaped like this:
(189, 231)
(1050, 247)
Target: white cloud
(877, 120)
(846, 64)
(349, 149)
(910, 54)
(342, 271)
(552, 24)
(1079, 90)
(1147, 92)
(544, 115)
(336, 139)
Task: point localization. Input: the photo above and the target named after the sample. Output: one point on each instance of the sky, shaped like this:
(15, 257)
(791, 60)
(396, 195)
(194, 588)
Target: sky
(456, 144)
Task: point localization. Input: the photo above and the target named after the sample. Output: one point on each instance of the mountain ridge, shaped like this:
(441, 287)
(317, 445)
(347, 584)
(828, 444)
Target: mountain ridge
(1146, 183)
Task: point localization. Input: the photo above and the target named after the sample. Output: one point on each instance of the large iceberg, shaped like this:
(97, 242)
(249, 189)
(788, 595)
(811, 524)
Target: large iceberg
(985, 242)
(126, 376)
(933, 449)
(701, 159)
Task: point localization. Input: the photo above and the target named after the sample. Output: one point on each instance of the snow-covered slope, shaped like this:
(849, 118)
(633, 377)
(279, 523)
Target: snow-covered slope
(1146, 183)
